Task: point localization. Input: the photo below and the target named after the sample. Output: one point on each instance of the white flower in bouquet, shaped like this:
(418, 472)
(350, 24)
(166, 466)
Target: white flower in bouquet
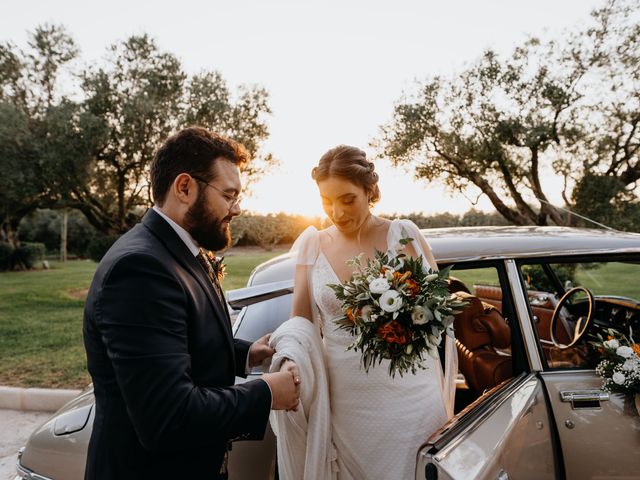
(624, 351)
(431, 277)
(618, 378)
(421, 315)
(612, 344)
(379, 285)
(390, 301)
(630, 364)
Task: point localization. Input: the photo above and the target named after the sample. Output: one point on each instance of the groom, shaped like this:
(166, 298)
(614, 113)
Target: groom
(157, 331)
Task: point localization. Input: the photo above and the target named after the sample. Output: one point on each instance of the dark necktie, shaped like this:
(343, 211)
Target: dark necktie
(203, 258)
(213, 277)
(208, 268)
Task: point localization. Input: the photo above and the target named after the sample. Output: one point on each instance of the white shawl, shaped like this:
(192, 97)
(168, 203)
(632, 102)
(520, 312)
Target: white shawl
(305, 435)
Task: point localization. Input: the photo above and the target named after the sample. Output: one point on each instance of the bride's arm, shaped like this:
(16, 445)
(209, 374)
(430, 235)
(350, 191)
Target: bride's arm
(301, 304)
(300, 307)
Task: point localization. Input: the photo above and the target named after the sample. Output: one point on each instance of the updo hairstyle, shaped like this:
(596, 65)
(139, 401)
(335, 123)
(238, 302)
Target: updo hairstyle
(349, 163)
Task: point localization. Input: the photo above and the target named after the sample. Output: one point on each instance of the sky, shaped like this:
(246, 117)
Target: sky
(333, 69)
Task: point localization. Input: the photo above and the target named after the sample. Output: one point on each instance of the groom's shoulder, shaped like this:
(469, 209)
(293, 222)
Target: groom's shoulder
(136, 244)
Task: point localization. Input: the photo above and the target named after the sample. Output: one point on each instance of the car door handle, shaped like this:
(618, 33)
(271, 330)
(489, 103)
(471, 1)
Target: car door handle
(584, 396)
(584, 399)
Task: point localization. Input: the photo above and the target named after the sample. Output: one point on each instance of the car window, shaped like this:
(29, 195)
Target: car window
(606, 294)
(483, 333)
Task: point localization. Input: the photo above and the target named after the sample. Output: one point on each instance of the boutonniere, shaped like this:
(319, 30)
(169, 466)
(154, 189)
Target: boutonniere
(217, 265)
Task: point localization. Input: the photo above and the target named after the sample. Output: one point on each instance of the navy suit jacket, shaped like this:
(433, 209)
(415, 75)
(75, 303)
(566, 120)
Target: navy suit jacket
(163, 362)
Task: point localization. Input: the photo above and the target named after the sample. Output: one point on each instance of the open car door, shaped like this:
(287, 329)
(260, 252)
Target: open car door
(506, 433)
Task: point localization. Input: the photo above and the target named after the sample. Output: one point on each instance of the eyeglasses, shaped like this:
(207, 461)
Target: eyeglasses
(232, 200)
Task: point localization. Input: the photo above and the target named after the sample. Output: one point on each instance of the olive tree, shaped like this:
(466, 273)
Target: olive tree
(567, 107)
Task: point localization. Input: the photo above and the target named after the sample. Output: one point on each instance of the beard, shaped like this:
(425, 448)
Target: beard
(205, 228)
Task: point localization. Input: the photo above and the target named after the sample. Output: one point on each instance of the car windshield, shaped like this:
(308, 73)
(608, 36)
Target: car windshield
(574, 302)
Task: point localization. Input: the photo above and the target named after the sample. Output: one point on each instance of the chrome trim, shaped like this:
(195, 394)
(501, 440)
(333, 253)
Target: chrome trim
(526, 327)
(535, 254)
(583, 396)
(29, 474)
(568, 372)
(238, 321)
(243, 297)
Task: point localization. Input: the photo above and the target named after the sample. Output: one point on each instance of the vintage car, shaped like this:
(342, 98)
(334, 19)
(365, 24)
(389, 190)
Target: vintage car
(529, 403)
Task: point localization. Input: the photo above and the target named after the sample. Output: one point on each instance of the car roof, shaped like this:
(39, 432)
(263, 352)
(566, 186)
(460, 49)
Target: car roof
(466, 244)
(470, 243)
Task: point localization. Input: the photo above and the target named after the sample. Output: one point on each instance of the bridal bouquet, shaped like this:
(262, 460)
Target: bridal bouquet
(396, 310)
(619, 362)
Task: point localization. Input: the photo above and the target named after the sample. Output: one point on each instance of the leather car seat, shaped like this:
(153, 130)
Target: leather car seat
(481, 335)
(456, 285)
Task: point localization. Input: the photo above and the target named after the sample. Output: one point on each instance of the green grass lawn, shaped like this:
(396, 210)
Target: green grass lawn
(613, 278)
(41, 320)
(239, 266)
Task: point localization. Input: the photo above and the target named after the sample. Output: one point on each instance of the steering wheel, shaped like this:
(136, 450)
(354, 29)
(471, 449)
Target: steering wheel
(582, 323)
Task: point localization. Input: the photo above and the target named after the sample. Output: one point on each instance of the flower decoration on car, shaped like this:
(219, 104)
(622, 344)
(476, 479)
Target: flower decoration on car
(619, 364)
(396, 309)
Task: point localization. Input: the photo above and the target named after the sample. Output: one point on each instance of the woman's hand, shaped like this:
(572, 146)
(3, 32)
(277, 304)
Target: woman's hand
(291, 367)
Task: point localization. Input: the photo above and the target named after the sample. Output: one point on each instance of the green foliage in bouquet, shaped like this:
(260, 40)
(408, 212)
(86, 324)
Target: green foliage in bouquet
(397, 310)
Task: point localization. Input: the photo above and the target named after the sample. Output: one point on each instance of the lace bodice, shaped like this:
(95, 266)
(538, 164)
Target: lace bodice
(325, 297)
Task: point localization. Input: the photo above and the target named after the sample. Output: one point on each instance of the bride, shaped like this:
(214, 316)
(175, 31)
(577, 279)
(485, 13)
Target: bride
(351, 424)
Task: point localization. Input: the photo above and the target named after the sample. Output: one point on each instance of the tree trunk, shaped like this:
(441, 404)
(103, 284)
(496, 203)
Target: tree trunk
(9, 232)
(63, 235)
(513, 216)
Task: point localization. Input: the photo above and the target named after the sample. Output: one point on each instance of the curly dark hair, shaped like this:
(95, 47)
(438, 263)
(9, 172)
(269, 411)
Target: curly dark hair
(192, 150)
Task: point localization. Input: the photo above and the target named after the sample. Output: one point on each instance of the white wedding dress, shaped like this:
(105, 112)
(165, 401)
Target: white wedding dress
(377, 422)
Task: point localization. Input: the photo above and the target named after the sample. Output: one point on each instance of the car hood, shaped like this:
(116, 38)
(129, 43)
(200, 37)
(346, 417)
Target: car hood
(63, 435)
